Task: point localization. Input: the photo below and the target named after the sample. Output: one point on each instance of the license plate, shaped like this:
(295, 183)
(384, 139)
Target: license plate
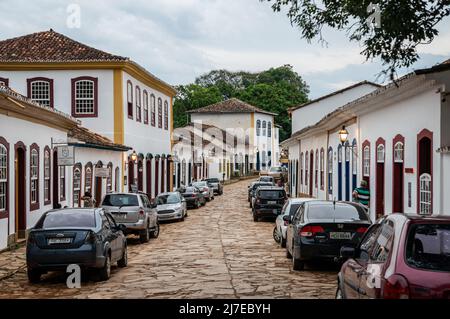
(55, 241)
(120, 215)
(340, 235)
(271, 202)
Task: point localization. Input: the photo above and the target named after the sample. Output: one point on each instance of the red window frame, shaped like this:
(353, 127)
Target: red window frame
(130, 99)
(41, 79)
(74, 82)
(398, 139)
(88, 165)
(425, 133)
(365, 144)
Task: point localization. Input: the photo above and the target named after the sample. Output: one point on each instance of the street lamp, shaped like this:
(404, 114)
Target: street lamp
(343, 135)
(134, 156)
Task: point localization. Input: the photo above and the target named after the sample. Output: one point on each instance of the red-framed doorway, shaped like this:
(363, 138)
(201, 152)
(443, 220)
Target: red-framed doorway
(380, 153)
(20, 189)
(398, 174)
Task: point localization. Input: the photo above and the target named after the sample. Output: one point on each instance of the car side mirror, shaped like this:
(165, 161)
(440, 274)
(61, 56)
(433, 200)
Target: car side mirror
(287, 218)
(347, 252)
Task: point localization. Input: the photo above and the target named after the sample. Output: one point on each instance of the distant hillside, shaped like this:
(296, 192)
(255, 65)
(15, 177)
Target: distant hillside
(273, 90)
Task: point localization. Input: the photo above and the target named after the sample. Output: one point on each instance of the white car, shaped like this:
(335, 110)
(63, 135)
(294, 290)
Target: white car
(291, 206)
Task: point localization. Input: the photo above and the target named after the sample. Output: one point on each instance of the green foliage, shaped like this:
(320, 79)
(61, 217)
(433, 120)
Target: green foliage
(273, 90)
(405, 24)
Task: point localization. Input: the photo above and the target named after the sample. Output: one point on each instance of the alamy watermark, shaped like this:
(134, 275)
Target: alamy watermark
(73, 20)
(374, 19)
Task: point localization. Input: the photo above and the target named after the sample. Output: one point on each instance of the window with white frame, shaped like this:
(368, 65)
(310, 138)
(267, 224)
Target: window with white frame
(88, 179)
(116, 180)
(34, 176)
(145, 107)
(302, 166)
(153, 109)
(166, 115)
(109, 179)
(47, 175)
(76, 186)
(354, 158)
(138, 105)
(40, 92)
(322, 168)
(316, 178)
(380, 153)
(264, 126)
(398, 152)
(62, 183)
(366, 161)
(306, 168)
(330, 170)
(425, 194)
(3, 177)
(269, 129)
(85, 97)
(258, 128)
(159, 113)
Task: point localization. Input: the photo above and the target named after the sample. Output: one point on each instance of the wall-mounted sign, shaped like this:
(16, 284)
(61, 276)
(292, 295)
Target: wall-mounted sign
(409, 170)
(66, 155)
(102, 172)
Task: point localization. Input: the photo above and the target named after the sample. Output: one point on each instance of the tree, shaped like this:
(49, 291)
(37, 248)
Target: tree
(404, 25)
(273, 90)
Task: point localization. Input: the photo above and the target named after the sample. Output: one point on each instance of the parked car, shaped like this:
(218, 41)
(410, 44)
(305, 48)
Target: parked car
(254, 187)
(289, 209)
(135, 212)
(268, 202)
(216, 185)
(277, 172)
(400, 257)
(171, 206)
(89, 238)
(319, 229)
(268, 179)
(205, 189)
(194, 198)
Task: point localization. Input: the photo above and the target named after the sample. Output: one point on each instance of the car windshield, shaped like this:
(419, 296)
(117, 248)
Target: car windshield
(266, 179)
(336, 212)
(167, 199)
(67, 219)
(271, 194)
(200, 184)
(120, 200)
(212, 180)
(261, 184)
(428, 247)
(275, 169)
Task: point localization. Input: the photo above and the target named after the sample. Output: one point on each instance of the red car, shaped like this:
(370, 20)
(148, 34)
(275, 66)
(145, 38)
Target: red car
(400, 257)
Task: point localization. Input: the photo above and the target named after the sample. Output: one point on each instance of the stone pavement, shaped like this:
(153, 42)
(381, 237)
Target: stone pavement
(217, 252)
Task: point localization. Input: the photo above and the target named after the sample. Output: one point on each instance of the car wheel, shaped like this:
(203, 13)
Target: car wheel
(297, 264)
(185, 213)
(124, 261)
(255, 218)
(34, 275)
(181, 219)
(105, 271)
(155, 233)
(288, 254)
(144, 236)
(283, 242)
(250, 204)
(339, 294)
(276, 236)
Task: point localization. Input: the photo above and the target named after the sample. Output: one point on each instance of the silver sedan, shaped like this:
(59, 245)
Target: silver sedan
(171, 206)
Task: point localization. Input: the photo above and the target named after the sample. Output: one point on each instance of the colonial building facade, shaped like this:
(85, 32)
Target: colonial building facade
(111, 95)
(31, 180)
(253, 127)
(396, 138)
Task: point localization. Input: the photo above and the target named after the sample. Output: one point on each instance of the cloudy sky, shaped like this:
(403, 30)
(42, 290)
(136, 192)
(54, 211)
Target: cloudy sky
(178, 40)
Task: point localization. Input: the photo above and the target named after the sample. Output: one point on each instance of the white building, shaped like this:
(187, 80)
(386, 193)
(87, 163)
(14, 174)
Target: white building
(398, 141)
(110, 94)
(31, 181)
(254, 126)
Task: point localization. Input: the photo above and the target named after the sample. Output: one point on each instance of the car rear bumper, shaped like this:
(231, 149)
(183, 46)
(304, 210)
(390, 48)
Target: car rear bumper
(267, 212)
(132, 227)
(58, 259)
(308, 251)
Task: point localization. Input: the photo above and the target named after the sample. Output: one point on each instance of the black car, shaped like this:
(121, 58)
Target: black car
(319, 229)
(89, 238)
(215, 184)
(253, 187)
(268, 202)
(193, 196)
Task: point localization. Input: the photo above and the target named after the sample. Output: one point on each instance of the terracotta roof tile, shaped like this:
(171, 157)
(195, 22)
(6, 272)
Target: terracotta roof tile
(51, 46)
(93, 139)
(231, 106)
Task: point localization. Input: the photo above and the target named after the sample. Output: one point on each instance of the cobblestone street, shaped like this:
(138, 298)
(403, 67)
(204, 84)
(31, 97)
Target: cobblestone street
(217, 252)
